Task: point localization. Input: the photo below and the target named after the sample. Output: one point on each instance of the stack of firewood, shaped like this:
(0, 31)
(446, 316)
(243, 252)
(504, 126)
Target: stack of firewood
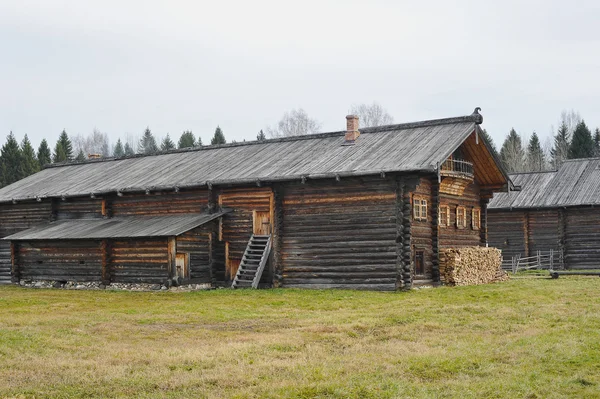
(471, 265)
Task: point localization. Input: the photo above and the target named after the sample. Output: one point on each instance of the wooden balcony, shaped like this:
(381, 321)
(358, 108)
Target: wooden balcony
(455, 176)
(456, 168)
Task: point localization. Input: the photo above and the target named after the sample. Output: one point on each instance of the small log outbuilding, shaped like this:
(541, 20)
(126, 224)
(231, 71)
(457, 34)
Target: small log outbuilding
(361, 208)
(554, 210)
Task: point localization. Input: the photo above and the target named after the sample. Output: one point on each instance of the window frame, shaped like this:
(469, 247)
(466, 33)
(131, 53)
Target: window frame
(461, 210)
(475, 211)
(445, 210)
(419, 204)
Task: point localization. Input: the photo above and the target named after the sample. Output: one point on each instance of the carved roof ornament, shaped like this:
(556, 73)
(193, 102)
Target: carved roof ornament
(477, 116)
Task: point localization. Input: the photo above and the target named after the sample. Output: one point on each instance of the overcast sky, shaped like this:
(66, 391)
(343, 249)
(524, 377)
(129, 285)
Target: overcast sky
(120, 66)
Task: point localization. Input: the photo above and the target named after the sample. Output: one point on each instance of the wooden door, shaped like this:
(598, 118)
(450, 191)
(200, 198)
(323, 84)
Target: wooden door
(419, 263)
(261, 223)
(182, 265)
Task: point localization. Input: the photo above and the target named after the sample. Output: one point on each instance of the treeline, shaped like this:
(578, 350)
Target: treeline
(19, 160)
(572, 140)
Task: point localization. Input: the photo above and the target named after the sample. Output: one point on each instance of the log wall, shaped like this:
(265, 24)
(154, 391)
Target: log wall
(160, 203)
(197, 243)
(506, 232)
(422, 230)
(339, 234)
(452, 236)
(78, 209)
(15, 218)
(139, 261)
(59, 260)
(582, 238)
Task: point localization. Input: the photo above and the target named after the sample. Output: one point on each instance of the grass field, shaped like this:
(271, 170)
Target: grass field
(528, 338)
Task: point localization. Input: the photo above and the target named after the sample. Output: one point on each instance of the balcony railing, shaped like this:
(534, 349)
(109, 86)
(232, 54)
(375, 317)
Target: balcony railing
(453, 167)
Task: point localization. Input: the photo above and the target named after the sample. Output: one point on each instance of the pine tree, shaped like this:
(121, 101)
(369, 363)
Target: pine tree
(147, 143)
(187, 140)
(560, 150)
(80, 156)
(582, 144)
(29, 161)
(118, 151)
(63, 151)
(597, 143)
(10, 161)
(199, 142)
(489, 139)
(167, 144)
(512, 154)
(219, 137)
(44, 155)
(128, 150)
(261, 136)
(536, 160)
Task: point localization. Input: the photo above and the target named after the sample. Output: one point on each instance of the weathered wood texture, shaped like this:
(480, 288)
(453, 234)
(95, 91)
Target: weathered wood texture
(140, 261)
(197, 243)
(60, 260)
(340, 234)
(506, 232)
(15, 218)
(453, 236)
(422, 230)
(161, 203)
(582, 238)
(78, 208)
(543, 230)
(237, 226)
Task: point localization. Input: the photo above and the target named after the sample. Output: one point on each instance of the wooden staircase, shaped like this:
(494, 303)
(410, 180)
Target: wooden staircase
(253, 263)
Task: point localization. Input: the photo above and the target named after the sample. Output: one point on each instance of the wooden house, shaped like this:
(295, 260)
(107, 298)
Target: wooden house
(555, 210)
(364, 209)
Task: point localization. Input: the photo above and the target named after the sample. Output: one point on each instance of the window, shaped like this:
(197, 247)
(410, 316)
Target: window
(461, 217)
(444, 216)
(419, 208)
(476, 218)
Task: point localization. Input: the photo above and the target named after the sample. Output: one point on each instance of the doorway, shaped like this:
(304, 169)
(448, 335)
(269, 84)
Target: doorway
(182, 262)
(419, 263)
(261, 222)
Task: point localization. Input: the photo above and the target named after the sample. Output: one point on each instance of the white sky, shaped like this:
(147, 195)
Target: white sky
(173, 65)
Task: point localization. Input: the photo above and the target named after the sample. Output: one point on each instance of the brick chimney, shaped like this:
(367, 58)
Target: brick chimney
(352, 132)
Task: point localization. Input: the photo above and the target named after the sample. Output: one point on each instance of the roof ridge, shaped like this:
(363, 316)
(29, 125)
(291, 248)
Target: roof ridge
(474, 118)
(532, 173)
(582, 159)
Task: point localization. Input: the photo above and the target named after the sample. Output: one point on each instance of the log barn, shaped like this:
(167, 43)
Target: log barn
(554, 210)
(358, 208)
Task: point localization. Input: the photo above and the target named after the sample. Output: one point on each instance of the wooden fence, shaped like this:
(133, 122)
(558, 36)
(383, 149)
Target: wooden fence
(550, 260)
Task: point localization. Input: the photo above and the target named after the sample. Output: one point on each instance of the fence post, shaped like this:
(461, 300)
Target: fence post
(551, 259)
(539, 259)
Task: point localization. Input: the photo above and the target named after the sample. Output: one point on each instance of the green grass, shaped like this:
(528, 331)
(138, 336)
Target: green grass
(527, 338)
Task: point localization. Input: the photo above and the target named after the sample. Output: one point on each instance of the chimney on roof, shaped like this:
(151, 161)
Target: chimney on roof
(352, 132)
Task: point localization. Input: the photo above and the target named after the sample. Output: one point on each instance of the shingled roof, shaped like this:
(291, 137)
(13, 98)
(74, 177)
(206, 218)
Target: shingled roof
(576, 183)
(419, 146)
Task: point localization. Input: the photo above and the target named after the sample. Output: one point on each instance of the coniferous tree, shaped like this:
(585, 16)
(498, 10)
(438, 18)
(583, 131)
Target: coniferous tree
(63, 151)
(512, 154)
(489, 139)
(562, 141)
(582, 144)
(29, 161)
(118, 151)
(10, 161)
(128, 150)
(199, 142)
(147, 143)
(219, 137)
(80, 156)
(44, 155)
(167, 144)
(187, 140)
(536, 160)
(261, 136)
(597, 143)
